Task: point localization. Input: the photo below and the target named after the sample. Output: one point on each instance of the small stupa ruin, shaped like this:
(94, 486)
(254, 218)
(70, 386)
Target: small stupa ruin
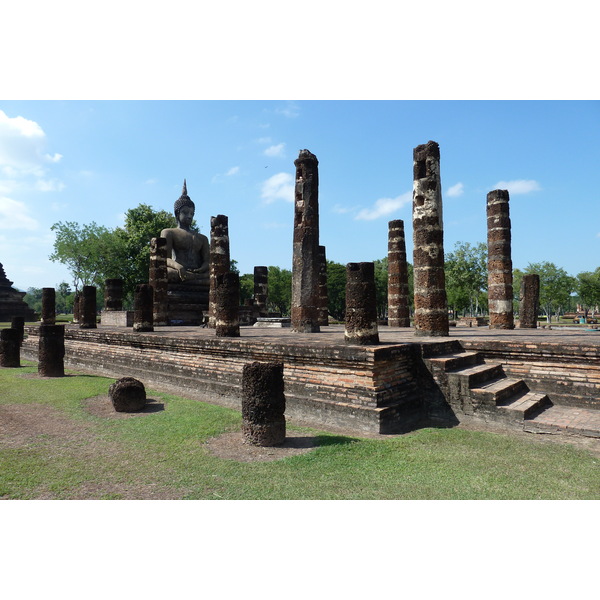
(11, 301)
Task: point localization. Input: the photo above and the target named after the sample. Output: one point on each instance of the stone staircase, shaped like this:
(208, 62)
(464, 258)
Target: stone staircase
(479, 390)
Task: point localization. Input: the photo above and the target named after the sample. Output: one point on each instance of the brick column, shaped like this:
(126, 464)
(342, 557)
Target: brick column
(10, 348)
(431, 309)
(48, 306)
(323, 293)
(18, 323)
(263, 404)
(87, 308)
(77, 307)
(143, 308)
(398, 314)
(51, 351)
(219, 260)
(227, 305)
(305, 257)
(529, 301)
(113, 294)
(361, 309)
(261, 290)
(500, 288)
(158, 279)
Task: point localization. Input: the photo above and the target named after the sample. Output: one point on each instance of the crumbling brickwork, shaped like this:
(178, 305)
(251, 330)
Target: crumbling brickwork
(529, 301)
(219, 260)
(361, 310)
(398, 309)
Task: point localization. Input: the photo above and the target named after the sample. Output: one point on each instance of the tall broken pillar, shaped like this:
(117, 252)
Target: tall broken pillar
(529, 303)
(305, 258)
(323, 290)
(158, 279)
(500, 280)
(219, 260)
(261, 290)
(398, 312)
(431, 308)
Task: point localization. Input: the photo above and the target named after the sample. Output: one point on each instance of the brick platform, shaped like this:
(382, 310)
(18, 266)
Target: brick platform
(540, 378)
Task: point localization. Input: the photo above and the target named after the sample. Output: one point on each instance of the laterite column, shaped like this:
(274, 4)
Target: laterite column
(227, 305)
(18, 323)
(77, 307)
(263, 404)
(48, 306)
(529, 301)
(158, 279)
(87, 308)
(51, 351)
(219, 260)
(398, 314)
(10, 348)
(500, 288)
(261, 290)
(431, 309)
(143, 308)
(113, 294)
(361, 310)
(323, 294)
(305, 257)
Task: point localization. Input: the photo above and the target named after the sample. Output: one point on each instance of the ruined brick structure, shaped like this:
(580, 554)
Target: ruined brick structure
(51, 350)
(305, 257)
(261, 290)
(143, 308)
(263, 404)
(219, 260)
(158, 280)
(398, 311)
(529, 301)
(10, 348)
(323, 299)
(11, 301)
(113, 294)
(227, 305)
(431, 309)
(87, 307)
(500, 288)
(361, 311)
(48, 306)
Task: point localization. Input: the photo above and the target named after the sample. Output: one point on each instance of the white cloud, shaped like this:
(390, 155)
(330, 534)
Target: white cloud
(456, 190)
(151, 181)
(275, 150)
(384, 207)
(232, 171)
(278, 187)
(49, 185)
(291, 110)
(264, 140)
(15, 215)
(518, 186)
(342, 210)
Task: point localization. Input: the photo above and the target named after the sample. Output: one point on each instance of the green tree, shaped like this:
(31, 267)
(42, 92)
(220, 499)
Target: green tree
(64, 298)
(246, 287)
(588, 287)
(466, 277)
(556, 286)
(381, 286)
(280, 290)
(336, 290)
(33, 298)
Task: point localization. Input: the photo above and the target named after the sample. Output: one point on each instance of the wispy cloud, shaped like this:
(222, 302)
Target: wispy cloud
(384, 207)
(220, 176)
(291, 110)
(49, 185)
(278, 187)
(275, 151)
(456, 190)
(264, 140)
(232, 171)
(15, 215)
(518, 186)
(343, 210)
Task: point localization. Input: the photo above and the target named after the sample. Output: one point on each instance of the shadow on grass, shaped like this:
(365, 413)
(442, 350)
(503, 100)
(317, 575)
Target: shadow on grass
(332, 440)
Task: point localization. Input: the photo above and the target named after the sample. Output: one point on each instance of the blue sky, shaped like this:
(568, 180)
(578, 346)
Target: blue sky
(90, 161)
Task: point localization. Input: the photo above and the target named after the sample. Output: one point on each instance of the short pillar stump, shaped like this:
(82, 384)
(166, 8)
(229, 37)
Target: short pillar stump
(127, 395)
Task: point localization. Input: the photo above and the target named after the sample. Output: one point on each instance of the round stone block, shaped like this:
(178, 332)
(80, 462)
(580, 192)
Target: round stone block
(127, 395)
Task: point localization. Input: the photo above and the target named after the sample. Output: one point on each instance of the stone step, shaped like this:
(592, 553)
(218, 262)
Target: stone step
(500, 390)
(455, 361)
(526, 405)
(478, 375)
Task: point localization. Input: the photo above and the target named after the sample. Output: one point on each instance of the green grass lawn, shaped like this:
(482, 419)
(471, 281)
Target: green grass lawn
(164, 453)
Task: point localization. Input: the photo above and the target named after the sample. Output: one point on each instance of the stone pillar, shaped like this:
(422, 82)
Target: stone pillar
(87, 308)
(263, 404)
(500, 288)
(113, 294)
(529, 301)
(48, 306)
(51, 352)
(361, 309)
(398, 313)
(143, 308)
(77, 307)
(227, 305)
(127, 395)
(305, 257)
(261, 290)
(10, 348)
(158, 279)
(18, 323)
(431, 308)
(323, 298)
(219, 260)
